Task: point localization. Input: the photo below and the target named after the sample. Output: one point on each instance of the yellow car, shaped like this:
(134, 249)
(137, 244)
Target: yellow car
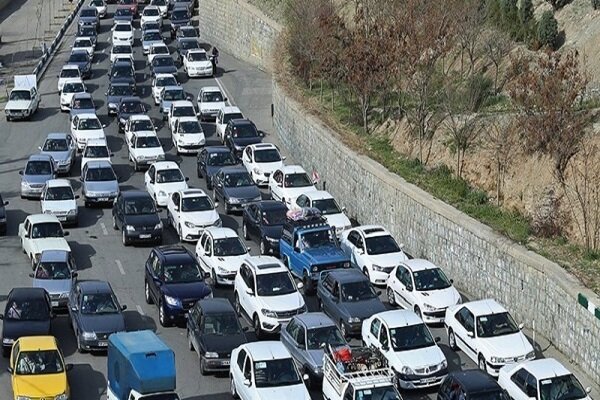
(38, 370)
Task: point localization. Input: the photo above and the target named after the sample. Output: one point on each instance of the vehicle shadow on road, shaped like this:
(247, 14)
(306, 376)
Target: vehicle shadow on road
(134, 321)
(14, 218)
(83, 255)
(86, 383)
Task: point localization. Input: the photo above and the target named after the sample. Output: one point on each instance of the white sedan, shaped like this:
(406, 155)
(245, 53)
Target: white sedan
(84, 43)
(158, 84)
(68, 91)
(85, 127)
(373, 250)
(122, 33)
(187, 135)
(422, 287)
(541, 380)
(121, 51)
(220, 252)
(487, 334)
(407, 344)
(151, 14)
(289, 182)
(197, 64)
(95, 150)
(157, 49)
(180, 109)
(162, 179)
(325, 202)
(58, 199)
(144, 149)
(224, 115)
(190, 212)
(41, 232)
(68, 73)
(210, 101)
(261, 160)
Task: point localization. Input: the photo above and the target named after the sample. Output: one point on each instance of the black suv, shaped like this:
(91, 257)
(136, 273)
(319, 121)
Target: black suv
(135, 214)
(471, 384)
(122, 71)
(240, 133)
(263, 221)
(211, 159)
(129, 106)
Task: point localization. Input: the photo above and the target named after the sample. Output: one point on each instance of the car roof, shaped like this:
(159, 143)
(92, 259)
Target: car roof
(24, 293)
(265, 264)
(58, 183)
(174, 87)
(98, 164)
(314, 320)
(419, 264)
(130, 98)
(79, 52)
(33, 343)
(221, 233)
(193, 193)
(41, 218)
(399, 318)
(217, 149)
(210, 89)
(163, 75)
(160, 165)
(70, 66)
(266, 205)
(145, 134)
(135, 194)
(191, 51)
(231, 110)
(152, 31)
(348, 275)
(234, 169)
(241, 121)
(182, 103)
(54, 256)
(267, 350)
(318, 195)
(96, 142)
(261, 146)
(120, 83)
(188, 119)
(57, 135)
(84, 95)
(216, 305)
(87, 116)
(485, 307)
(40, 157)
(292, 169)
(140, 117)
(475, 380)
(94, 286)
(174, 252)
(373, 230)
(545, 368)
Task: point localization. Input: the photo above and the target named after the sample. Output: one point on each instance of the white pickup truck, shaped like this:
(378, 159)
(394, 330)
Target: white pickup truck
(24, 99)
(363, 375)
(42, 232)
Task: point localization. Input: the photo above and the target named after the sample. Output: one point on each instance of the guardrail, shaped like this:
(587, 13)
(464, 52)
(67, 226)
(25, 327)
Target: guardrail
(45, 59)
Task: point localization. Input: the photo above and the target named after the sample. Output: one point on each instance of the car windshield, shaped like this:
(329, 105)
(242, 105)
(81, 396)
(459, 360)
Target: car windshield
(221, 158)
(150, 36)
(411, 337)
(132, 107)
(212, 97)
(39, 362)
(189, 44)
(496, 325)
(244, 131)
(327, 206)
(47, 230)
(56, 145)
(221, 324)
(98, 303)
(182, 273)
(20, 95)
(27, 310)
(53, 270)
(318, 338)
(144, 205)
(122, 49)
(82, 43)
(124, 71)
(266, 156)
(188, 32)
(147, 142)
(166, 81)
(431, 279)
(273, 373)
(89, 124)
(169, 176)
(69, 73)
(151, 12)
(315, 239)
(88, 12)
(104, 174)
(96, 152)
(122, 27)
(297, 180)
(162, 62)
(120, 90)
(83, 104)
(229, 117)
(491, 395)
(38, 168)
(142, 125)
(274, 217)
(179, 14)
(184, 111)
(358, 291)
(382, 245)
(275, 284)
(190, 127)
(160, 50)
(196, 203)
(173, 95)
(229, 247)
(151, 25)
(59, 193)
(237, 179)
(198, 56)
(78, 57)
(565, 387)
(73, 87)
(378, 393)
(123, 12)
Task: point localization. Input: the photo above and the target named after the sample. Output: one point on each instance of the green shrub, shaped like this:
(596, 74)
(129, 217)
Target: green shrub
(596, 4)
(547, 33)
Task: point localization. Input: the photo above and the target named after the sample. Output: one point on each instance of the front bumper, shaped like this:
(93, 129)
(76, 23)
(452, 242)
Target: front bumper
(494, 368)
(32, 192)
(66, 218)
(272, 325)
(64, 168)
(353, 328)
(433, 316)
(144, 236)
(112, 109)
(97, 344)
(58, 302)
(190, 148)
(226, 279)
(209, 113)
(421, 381)
(197, 73)
(18, 114)
(148, 161)
(378, 277)
(102, 199)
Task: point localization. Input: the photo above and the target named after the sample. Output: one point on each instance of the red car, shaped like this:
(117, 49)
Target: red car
(132, 4)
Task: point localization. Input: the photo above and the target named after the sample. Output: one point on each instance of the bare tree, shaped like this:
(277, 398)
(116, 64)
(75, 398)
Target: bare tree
(496, 46)
(471, 20)
(500, 140)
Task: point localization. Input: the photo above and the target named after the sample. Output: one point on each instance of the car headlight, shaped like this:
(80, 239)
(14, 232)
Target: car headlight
(444, 364)
(269, 313)
(24, 184)
(23, 398)
(158, 226)
(189, 225)
(130, 228)
(531, 354)
(172, 301)
(211, 354)
(272, 240)
(377, 268)
(257, 171)
(88, 335)
(7, 341)
(62, 396)
(218, 222)
(162, 193)
(233, 200)
(222, 270)
(353, 320)
(407, 371)
(303, 309)
(73, 212)
(429, 307)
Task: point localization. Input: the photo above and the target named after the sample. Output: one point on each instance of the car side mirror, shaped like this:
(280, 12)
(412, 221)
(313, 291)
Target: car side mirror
(10, 370)
(452, 281)
(521, 326)
(279, 184)
(69, 367)
(207, 275)
(31, 274)
(250, 291)
(470, 334)
(81, 179)
(409, 288)
(305, 377)
(40, 148)
(261, 134)
(74, 308)
(343, 209)
(76, 197)
(588, 390)
(152, 180)
(245, 329)
(67, 233)
(187, 178)
(20, 172)
(74, 275)
(247, 382)
(438, 339)
(176, 208)
(106, 93)
(123, 307)
(300, 285)
(26, 235)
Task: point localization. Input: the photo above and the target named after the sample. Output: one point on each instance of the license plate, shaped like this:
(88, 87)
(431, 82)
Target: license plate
(103, 199)
(145, 236)
(54, 303)
(225, 362)
(428, 380)
(102, 344)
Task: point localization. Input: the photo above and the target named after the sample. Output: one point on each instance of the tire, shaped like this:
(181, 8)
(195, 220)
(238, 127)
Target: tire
(203, 370)
(124, 239)
(343, 330)
(452, 340)
(179, 234)
(263, 248)
(257, 328)
(147, 294)
(5, 350)
(391, 296)
(481, 363)
(232, 388)
(162, 318)
(418, 312)
(115, 227)
(80, 348)
(245, 231)
(213, 275)
(366, 272)
(7, 119)
(226, 208)
(237, 305)
(190, 343)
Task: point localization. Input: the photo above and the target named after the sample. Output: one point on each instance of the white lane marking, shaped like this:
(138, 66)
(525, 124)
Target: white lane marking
(222, 87)
(139, 309)
(104, 231)
(120, 266)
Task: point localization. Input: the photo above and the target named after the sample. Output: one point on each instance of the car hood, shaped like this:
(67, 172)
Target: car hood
(149, 220)
(217, 105)
(339, 219)
(243, 192)
(272, 231)
(417, 358)
(243, 142)
(113, 99)
(165, 69)
(389, 259)
(286, 302)
(79, 64)
(78, 111)
(290, 194)
(60, 205)
(231, 263)
(270, 167)
(36, 178)
(201, 217)
(108, 186)
(191, 138)
(88, 19)
(53, 286)
(110, 323)
(296, 392)
(57, 155)
(91, 133)
(222, 343)
(514, 345)
(316, 357)
(18, 104)
(40, 386)
(149, 151)
(14, 329)
(440, 298)
(325, 254)
(39, 245)
(192, 290)
(363, 309)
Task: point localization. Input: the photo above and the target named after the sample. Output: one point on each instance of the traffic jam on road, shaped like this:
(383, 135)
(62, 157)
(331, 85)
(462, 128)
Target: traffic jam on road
(337, 311)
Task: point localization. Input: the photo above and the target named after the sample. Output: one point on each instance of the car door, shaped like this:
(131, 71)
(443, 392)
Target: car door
(465, 332)
(153, 269)
(175, 132)
(404, 287)
(149, 177)
(247, 159)
(194, 322)
(218, 123)
(72, 146)
(173, 208)
(288, 337)
(246, 391)
(237, 369)
(119, 212)
(359, 257)
(275, 185)
(74, 124)
(202, 162)
(208, 250)
(253, 221)
(243, 295)
(327, 296)
(296, 261)
(200, 251)
(28, 241)
(218, 186)
(75, 309)
(372, 338)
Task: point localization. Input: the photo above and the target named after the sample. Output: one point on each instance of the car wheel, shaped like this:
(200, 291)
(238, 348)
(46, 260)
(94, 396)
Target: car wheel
(232, 389)
(237, 305)
(199, 173)
(80, 348)
(6, 350)
(162, 316)
(257, 328)
(147, 293)
(418, 312)
(263, 248)
(391, 297)
(203, 371)
(124, 239)
(343, 330)
(310, 384)
(308, 285)
(213, 275)
(189, 338)
(366, 272)
(115, 227)
(452, 340)
(179, 234)
(245, 231)
(481, 363)
(227, 208)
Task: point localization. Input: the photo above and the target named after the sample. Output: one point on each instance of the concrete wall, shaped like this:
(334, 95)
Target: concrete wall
(482, 263)
(240, 29)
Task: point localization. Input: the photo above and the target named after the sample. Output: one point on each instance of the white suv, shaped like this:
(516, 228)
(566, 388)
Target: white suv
(191, 211)
(266, 294)
(261, 160)
(220, 252)
(326, 203)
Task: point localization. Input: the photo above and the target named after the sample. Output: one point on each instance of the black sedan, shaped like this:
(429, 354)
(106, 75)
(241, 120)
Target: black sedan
(163, 65)
(116, 91)
(213, 330)
(263, 221)
(240, 133)
(235, 188)
(83, 61)
(122, 71)
(129, 106)
(94, 313)
(135, 214)
(211, 159)
(3, 205)
(28, 312)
